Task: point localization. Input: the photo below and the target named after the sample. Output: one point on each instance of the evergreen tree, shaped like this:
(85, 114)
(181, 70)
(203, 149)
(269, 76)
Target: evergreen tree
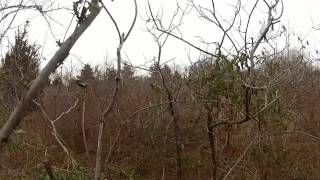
(19, 67)
(87, 73)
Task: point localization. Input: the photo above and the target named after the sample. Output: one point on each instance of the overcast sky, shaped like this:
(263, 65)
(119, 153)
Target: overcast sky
(100, 41)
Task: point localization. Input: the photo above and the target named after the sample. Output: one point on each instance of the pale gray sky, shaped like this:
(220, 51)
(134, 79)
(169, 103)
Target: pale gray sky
(100, 40)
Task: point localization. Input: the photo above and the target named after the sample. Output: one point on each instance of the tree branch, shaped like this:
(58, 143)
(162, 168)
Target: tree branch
(39, 83)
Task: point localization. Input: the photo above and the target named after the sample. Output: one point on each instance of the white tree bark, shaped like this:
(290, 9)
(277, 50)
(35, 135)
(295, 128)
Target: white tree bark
(39, 83)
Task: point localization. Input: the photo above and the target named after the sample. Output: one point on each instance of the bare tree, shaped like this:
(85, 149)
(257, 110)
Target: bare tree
(122, 38)
(235, 64)
(38, 84)
(161, 40)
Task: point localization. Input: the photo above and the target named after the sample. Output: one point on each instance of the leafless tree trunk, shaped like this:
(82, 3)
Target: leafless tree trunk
(104, 116)
(84, 137)
(122, 38)
(171, 100)
(174, 115)
(39, 83)
(212, 142)
(244, 52)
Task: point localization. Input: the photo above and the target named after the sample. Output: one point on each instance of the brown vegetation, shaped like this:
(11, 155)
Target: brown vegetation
(232, 114)
(278, 142)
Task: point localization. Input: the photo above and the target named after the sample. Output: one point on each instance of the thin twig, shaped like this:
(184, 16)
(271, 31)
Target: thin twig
(54, 130)
(240, 158)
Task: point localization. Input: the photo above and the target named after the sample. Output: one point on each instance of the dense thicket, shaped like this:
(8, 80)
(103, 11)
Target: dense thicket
(220, 116)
